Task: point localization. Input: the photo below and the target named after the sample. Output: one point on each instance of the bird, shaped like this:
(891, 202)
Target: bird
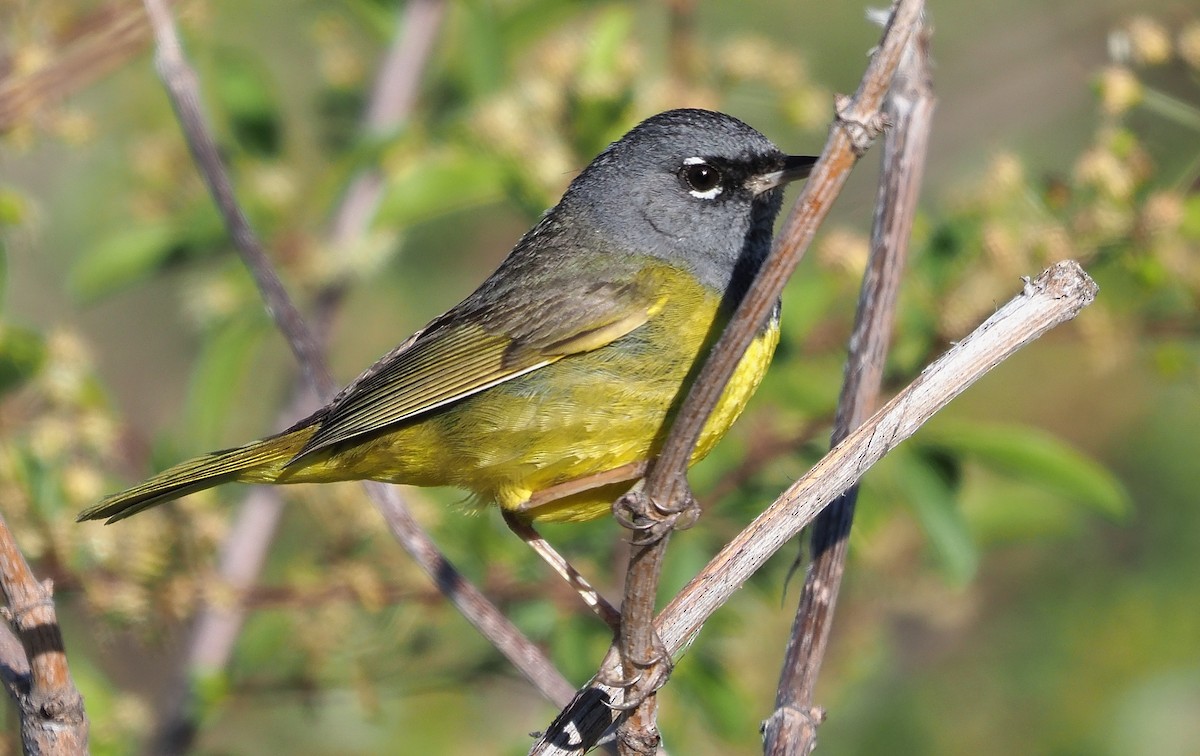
(548, 389)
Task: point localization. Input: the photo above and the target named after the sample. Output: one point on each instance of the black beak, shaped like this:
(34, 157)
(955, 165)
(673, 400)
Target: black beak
(794, 167)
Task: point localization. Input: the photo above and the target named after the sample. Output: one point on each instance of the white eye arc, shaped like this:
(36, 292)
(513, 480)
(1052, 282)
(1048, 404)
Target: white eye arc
(702, 179)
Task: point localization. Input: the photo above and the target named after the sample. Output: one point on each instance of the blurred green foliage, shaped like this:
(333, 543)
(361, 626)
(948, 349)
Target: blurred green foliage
(1023, 573)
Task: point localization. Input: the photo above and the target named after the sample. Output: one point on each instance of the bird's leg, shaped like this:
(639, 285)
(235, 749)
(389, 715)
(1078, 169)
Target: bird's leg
(631, 471)
(590, 596)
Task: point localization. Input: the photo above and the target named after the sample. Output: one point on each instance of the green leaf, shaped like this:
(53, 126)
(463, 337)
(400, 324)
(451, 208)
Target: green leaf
(12, 213)
(122, 259)
(444, 183)
(134, 254)
(482, 51)
(608, 41)
(3, 271)
(1002, 509)
(246, 94)
(13, 208)
(378, 18)
(1190, 227)
(804, 383)
(708, 687)
(21, 354)
(1036, 457)
(932, 491)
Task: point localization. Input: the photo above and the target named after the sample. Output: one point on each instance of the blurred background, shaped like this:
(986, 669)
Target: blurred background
(1023, 574)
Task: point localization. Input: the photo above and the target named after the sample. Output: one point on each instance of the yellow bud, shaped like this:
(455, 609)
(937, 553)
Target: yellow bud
(1102, 169)
(1162, 213)
(1120, 90)
(1001, 248)
(75, 127)
(1006, 173)
(747, 58)
(30, 58)
(274, 184)
(1054, 245)
(82, 484)
(1149, 43)
(364, 582)
(341, 66)
(49, 438)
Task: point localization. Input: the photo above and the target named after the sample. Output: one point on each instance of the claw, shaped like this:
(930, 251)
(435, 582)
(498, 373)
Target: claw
(631, 702)
(620, 682)
(687, 505)
(651, 532)
(654, 674)
(660, 672)
(624, 510)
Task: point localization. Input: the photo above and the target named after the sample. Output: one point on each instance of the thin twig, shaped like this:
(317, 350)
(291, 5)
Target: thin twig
(53, 720)
(392, 100)
(243, 554)
(180, 81)
(858, 122)
(791, 729)
(182, 88)
(473, 605)
(1054, 297)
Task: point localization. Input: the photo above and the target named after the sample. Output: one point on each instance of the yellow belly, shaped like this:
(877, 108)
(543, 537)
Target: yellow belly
(597, 502)
(581, 416)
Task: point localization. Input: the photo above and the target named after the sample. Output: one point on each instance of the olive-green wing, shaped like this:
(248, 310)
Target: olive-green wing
(468, 351)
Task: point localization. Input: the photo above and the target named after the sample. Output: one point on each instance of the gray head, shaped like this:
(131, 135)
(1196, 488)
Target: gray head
(693, 187)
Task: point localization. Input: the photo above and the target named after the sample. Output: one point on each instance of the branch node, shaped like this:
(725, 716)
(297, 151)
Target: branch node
(621, 683)
(16, 615)
(638, 741)
(861, 131)
(796, 724)
(62, 706)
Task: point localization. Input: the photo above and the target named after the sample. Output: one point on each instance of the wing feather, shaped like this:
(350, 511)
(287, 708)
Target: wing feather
(457, 355)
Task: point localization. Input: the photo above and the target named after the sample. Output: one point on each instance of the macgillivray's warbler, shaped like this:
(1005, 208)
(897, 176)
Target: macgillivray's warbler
(548, 389)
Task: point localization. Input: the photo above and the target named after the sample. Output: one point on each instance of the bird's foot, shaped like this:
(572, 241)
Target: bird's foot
(651, 675)
(650, 520)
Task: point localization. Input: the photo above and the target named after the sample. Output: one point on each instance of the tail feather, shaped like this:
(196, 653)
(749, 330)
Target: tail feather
(258, 462)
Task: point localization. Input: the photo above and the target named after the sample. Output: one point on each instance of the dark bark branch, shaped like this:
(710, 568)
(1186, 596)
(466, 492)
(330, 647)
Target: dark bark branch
(791, 729)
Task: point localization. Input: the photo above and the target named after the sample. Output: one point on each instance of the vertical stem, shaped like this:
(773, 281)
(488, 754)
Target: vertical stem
(909, 106)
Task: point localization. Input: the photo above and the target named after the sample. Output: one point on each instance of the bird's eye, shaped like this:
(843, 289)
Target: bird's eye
(703, 180)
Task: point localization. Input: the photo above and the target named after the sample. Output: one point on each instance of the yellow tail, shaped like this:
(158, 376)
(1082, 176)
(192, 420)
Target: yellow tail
(259, 462)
